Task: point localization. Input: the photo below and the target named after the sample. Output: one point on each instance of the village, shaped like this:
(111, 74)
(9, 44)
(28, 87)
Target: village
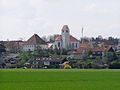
(61, 52)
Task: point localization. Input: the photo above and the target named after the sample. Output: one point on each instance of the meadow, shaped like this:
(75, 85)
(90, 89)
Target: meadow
(59, 79)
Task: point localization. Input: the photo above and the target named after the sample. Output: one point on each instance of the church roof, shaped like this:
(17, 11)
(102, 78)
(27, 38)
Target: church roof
(59, 37)
(71, 38)
(36, 40)
(65, 27)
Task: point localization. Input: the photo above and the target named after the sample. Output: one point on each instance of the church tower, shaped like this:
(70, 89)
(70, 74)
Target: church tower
(65, 37)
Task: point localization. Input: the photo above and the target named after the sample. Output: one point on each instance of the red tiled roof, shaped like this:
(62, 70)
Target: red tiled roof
(59, 37)
(71, 38)
(65, 27)
(84, 45)
(94, 49)
(106, 42)
(103, 49)
(81, 50)
(73, 52)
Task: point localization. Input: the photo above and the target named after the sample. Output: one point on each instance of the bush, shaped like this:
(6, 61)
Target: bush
(114, 65)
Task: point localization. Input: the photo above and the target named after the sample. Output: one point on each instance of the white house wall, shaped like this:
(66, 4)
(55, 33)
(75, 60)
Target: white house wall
(56, 44)
(74, 47)
(33, 47)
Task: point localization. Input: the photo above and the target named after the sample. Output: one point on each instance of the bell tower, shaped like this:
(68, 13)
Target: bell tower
(65, 37)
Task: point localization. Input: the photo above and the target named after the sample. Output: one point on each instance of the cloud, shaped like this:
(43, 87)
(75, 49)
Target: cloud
(22, 18)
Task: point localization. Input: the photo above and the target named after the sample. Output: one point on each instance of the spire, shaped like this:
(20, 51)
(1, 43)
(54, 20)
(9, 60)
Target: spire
(82, 31)
(65, 27)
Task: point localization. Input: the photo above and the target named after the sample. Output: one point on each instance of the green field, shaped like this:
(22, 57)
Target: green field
(69, 79)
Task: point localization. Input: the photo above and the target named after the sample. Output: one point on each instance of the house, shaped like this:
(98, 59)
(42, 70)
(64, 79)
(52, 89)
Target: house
(12, 46)
(2, 48)
(92, 48)
(118, 47)
(65, 40)
(100, 51)
(34, 43)
(46, 62)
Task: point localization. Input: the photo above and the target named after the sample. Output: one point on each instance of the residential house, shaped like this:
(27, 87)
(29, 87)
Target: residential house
(100, 51)
(46, 62)
(12, 46)
(96, 49)
(34, 43)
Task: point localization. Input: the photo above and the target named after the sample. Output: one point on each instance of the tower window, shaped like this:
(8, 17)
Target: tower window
(66, 30)
(58, 44)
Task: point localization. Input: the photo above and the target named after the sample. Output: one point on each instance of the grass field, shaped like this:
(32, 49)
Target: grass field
(69, 79)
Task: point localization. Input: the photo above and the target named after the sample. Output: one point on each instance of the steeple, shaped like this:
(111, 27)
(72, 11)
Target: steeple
(65, 37)
(65, 27)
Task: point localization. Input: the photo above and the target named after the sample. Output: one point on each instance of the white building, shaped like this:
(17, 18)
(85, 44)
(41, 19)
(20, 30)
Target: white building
(34, 43)
(66, 41)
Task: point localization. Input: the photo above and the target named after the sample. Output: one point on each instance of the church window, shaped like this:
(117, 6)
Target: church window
(58, 44)
(72, 44)
(66, 30)
(76, 45)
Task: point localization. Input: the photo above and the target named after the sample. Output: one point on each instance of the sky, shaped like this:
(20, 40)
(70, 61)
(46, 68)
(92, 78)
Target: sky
(23, 18)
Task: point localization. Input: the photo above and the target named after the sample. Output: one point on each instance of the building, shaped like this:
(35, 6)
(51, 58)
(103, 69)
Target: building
(12, 46)
(48, 62)
(34, 43)
(118, 47)
(66, 41)
(2, 48)
(100, 51)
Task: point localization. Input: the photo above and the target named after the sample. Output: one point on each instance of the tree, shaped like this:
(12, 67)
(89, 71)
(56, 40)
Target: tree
(39, 52)
(109, 57)
(114, 65)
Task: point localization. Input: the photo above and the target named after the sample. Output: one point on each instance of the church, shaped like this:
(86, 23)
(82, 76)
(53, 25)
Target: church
(66, 41)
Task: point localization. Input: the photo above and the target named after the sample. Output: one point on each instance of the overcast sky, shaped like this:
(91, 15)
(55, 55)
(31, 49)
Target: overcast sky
(23, 18)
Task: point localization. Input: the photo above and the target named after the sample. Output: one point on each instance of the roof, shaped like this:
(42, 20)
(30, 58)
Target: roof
(97, 49)
(103, 49)
(71, 38)
(106, 42)
(73, 52)
(36, 40)
(59, 37)
(94, 49)
(65, 27)
(85, 44)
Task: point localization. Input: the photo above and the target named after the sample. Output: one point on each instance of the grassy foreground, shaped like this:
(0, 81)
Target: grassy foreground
(37, 79)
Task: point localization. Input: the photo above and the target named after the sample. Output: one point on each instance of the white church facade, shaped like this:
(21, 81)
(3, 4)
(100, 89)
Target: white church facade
(66, 41)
